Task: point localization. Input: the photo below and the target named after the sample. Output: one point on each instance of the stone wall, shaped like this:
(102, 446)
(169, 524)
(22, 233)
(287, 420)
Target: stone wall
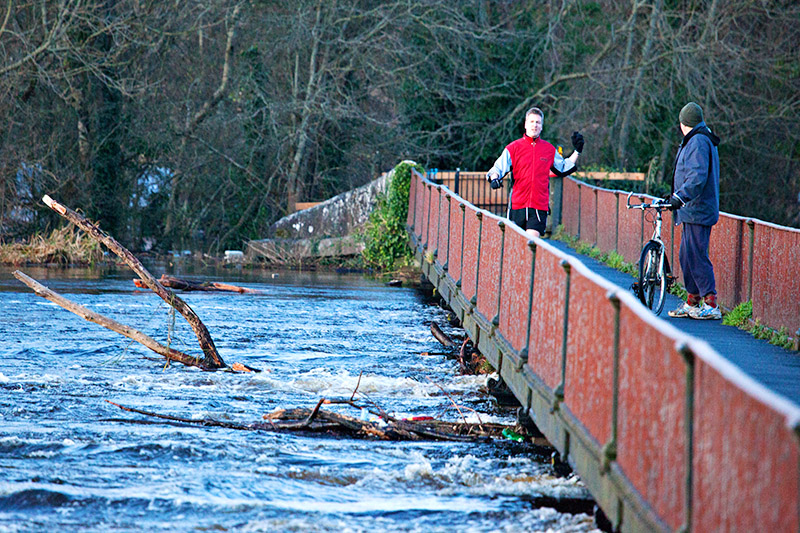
(335, 217)
(325, 230)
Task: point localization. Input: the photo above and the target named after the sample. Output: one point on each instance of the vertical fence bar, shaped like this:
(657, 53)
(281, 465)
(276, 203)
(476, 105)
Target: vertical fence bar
(580, 201)
(427, 215)
(474, 300)
(463, 222)
(438, 222)
(616, 223)
(752, 225)
(446, 264)
(688, 356)
(412, 195)
(559, 392)
(523, 355)
(496, 319)
(610, 448)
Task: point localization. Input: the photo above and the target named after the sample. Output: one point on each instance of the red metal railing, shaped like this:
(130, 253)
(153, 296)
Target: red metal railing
(664, 431)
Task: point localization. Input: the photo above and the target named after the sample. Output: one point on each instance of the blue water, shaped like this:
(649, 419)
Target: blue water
(70, 461)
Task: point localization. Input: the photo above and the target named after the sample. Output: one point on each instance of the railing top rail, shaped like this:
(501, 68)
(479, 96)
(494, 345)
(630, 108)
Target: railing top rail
(737, 217)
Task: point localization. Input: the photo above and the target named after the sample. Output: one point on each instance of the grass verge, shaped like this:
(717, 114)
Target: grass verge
(64, 246)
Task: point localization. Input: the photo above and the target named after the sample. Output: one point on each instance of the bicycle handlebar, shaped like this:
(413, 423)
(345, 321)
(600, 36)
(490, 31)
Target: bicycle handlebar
(657, 204)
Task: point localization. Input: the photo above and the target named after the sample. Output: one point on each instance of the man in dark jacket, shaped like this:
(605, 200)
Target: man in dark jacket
(695, 204)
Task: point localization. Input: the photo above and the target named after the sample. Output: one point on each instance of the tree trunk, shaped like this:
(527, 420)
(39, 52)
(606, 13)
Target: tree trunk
(293, 181)
(633, 94)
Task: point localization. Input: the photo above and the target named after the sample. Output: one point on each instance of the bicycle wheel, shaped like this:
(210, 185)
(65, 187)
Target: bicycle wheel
(652, 279)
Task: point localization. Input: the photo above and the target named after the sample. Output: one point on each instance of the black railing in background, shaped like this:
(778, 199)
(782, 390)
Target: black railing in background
(473, 187)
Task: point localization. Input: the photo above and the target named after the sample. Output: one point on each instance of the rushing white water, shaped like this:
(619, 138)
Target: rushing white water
(71, 461)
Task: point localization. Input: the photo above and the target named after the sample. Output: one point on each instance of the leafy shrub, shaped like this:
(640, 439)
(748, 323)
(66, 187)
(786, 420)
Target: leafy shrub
(386, 240)
(739, 315)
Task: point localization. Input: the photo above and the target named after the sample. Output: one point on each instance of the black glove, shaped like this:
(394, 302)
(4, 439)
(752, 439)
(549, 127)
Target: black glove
(673, 201)
(577, 141)
(496, 183)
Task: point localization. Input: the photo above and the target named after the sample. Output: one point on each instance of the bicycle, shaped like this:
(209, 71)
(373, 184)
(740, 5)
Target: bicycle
(655, 275)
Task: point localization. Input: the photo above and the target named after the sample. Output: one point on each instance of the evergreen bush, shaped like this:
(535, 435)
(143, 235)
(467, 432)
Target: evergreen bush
(386, 239)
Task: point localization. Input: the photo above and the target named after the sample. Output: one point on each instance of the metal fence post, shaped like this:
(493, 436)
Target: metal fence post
(556, 201)
(610, 448)
(447, 263)
(616, 225)
(559, 392)
(496, 319)
(474, 299)
(580, 193)
(523, 355)
(752, 225)
(461, 262)
(688, 357)
(456, 180)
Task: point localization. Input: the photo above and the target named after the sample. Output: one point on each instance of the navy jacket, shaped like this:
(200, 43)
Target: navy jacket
(697, 177)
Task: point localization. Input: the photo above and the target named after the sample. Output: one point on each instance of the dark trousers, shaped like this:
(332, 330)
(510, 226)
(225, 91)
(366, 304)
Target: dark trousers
(698, 272)
(529, 218)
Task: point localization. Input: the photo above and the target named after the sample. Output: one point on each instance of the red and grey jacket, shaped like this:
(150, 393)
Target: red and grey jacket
(531, 161)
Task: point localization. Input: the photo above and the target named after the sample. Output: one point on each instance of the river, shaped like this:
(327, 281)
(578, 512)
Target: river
(70, 461)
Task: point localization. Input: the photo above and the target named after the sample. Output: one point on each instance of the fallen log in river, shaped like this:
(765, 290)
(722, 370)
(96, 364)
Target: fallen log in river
(207, 286)
(133, 334)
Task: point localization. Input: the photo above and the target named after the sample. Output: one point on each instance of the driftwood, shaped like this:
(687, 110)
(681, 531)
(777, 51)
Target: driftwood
(122, 329)
(186, 285)
(321, 420)
(211, 359)
(440, 335)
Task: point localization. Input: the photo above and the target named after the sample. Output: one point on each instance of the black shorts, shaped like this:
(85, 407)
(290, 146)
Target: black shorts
(527, 218)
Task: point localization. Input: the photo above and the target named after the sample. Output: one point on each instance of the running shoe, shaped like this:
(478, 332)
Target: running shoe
(705, 312)
(682, 311)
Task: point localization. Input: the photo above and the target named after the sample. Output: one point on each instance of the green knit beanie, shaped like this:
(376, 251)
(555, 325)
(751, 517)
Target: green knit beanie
(691, 115)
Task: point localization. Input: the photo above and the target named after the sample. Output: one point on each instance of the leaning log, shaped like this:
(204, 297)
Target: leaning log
(440, 335)
(113, 325)
(212, 358)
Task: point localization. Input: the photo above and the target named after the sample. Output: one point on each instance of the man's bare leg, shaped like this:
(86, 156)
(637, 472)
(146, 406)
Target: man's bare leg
(532, 232)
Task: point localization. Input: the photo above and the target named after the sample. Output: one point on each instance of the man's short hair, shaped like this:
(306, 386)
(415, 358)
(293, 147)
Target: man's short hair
(534, 111)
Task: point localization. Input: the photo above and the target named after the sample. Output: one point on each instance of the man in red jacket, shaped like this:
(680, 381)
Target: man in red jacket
(531, 160)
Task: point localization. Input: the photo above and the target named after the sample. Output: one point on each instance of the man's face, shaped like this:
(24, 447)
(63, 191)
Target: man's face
(533, 125)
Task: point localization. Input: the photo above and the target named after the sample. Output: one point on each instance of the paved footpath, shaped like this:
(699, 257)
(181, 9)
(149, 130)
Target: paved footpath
(776, 368)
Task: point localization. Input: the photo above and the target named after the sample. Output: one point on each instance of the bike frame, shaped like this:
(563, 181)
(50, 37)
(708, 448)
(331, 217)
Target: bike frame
(658, 206)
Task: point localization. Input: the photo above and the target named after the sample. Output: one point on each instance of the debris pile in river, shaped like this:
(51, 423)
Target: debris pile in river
(381, 426)
(470, 360)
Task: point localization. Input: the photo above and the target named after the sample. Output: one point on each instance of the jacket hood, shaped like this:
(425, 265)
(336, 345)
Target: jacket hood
(701, 129)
